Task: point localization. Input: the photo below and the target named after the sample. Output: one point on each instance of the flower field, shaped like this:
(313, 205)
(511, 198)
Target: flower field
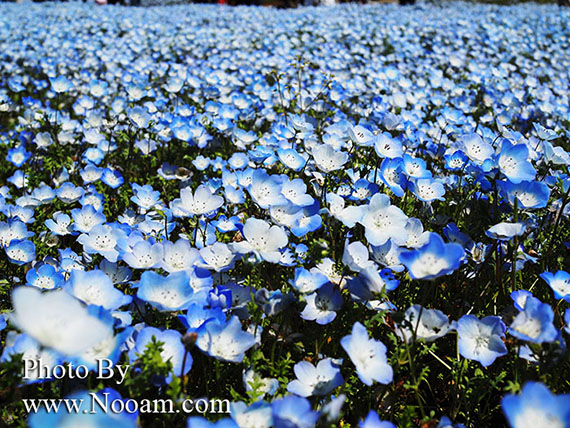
(353, 216)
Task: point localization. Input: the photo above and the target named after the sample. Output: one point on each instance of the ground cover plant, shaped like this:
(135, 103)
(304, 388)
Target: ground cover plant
(334, 217)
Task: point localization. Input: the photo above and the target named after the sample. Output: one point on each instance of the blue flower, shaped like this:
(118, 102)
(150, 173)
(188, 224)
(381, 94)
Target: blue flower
(534, 322)
(322, 305)
(18, 156)
(428, 190)
(368, 356)
(262, 239)
(202, 201)
(328, 159)
(387, 147)
(105, 240)
(434, 259)
(505, 231)
(425, 324)
(536, 406)
(292, 159)
(293, 412)
(529, 194)
(383, 221)
(60, 84)
(513, 162)
(171, 293)
(306, 281)
(21, 252)
(559, 282)
(95, 288)
(481, 340)
(319, 380)
(226, 342)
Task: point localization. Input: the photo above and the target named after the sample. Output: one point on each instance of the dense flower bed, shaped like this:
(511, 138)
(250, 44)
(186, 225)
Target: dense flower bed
(329, 217)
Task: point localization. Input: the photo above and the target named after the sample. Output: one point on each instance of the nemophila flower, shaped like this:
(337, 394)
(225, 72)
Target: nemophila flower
(86, 218)
(96, 288)
(178, 256)
(387, 147)
(226, 342)
(519, 298)
(265, 189)
(428, 190)
(513, 162)
(383, 221)
(529, 194)
(505, 231)
(18, 156)
(198, 315)
(476, 149)
(391, 174)
(172, 349)
(112, 178)
(322, 305)
(262, 239)
(536, 405)
(559, 282)
(415, 167)
(69, 193)
(116, 273)
(373, 421)
(60, 224)
(368, 356)
(306, 281)
(44, 194)
(416, 235)
(434, 259)
(567, 321)
(456, 161)
(218, 257)
(21, 252)
(170, 293)
(293, 412)
(328, 159)
(292, 159)
(257, 415)
(44, 276)
(220, 297)
(356, 256)
(347, 215)
(105, 240)
(481, 340)
(316, 380)
(60, 84)
(145, 196)
(425, 324)
(57, 320)
(225, 224)
(296, 192)
(361, 136)
(202, 201)
(94, 155)
(534, 322)
(139, 117)
(556, 154)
